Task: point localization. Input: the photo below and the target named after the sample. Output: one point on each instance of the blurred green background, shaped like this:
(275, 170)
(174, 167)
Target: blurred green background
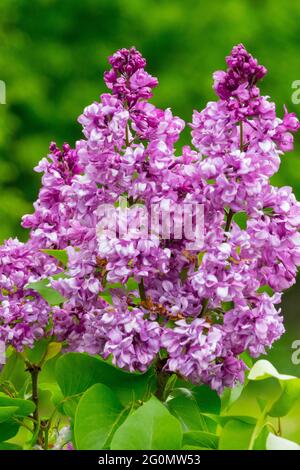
(53, 54)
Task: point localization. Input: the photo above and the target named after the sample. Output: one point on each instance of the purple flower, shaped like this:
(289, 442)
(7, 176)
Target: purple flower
(254, 328)
(127, 61)
(192, 347)
(55, 206)
(131, 340)
(242, 70)
(24, 314)
(204, 307)
(128, 80)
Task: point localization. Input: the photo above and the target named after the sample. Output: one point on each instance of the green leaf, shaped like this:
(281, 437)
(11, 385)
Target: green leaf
(35, 354)
(236, 435)
(69, 406)
(223, 420)
(8, 429)
(14, 371)
(200, 257)
(279, 443)
(52, 350)
(55, 391)
(9, 446)
(107, 297)
(186, 410)
(241, 219)
(132, 284)
(151, 427)
(231, 395)
(248, 360)
(207, 399)
(97, 417)
(190, 447)
(115, 285)
(46, 406)
(226, 306)
(290, 387)
(266, 289)
(261, 440)
(201, 439)
(183, 274)
(44, 288)
(201, 401)
(7, 412)
(60, 255)
(24, 407)
(263, 369)
(290, 394)
(76, 372)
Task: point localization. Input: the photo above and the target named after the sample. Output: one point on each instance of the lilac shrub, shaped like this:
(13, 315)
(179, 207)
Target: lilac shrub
(143, 301)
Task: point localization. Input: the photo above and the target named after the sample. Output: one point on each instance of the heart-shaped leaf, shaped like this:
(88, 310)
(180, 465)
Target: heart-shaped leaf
(150, 427)
(76, 372)
(97, 417)
(290, 387)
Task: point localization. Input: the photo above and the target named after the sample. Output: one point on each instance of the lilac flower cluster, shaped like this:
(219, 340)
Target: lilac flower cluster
(128, 297)
(24, 314)
(132, 340)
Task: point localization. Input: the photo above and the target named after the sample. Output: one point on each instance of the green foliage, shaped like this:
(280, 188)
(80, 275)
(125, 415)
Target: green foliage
(76, 373)
(53, 68)
(236, 435)
(7, 412)
(50, 78)
(44, 288)
(200, 439)
(60, 255)
(22, 407)
(149, 427)
(8, 429)
(108, 408)
(12, 413)
(99, 413)
(290, 388)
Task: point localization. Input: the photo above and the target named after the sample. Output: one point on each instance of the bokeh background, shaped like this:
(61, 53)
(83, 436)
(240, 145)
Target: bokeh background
(53, 54)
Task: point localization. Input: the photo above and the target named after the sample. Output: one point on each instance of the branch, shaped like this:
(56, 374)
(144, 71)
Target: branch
(142, 291)
(230, 215)
(34, 371)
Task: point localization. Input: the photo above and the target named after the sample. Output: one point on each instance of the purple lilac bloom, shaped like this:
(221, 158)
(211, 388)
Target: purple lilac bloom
(24, 314)
(204, 307)
(128, 337)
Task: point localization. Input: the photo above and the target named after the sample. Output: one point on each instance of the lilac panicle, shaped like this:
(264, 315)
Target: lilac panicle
(203, 307)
